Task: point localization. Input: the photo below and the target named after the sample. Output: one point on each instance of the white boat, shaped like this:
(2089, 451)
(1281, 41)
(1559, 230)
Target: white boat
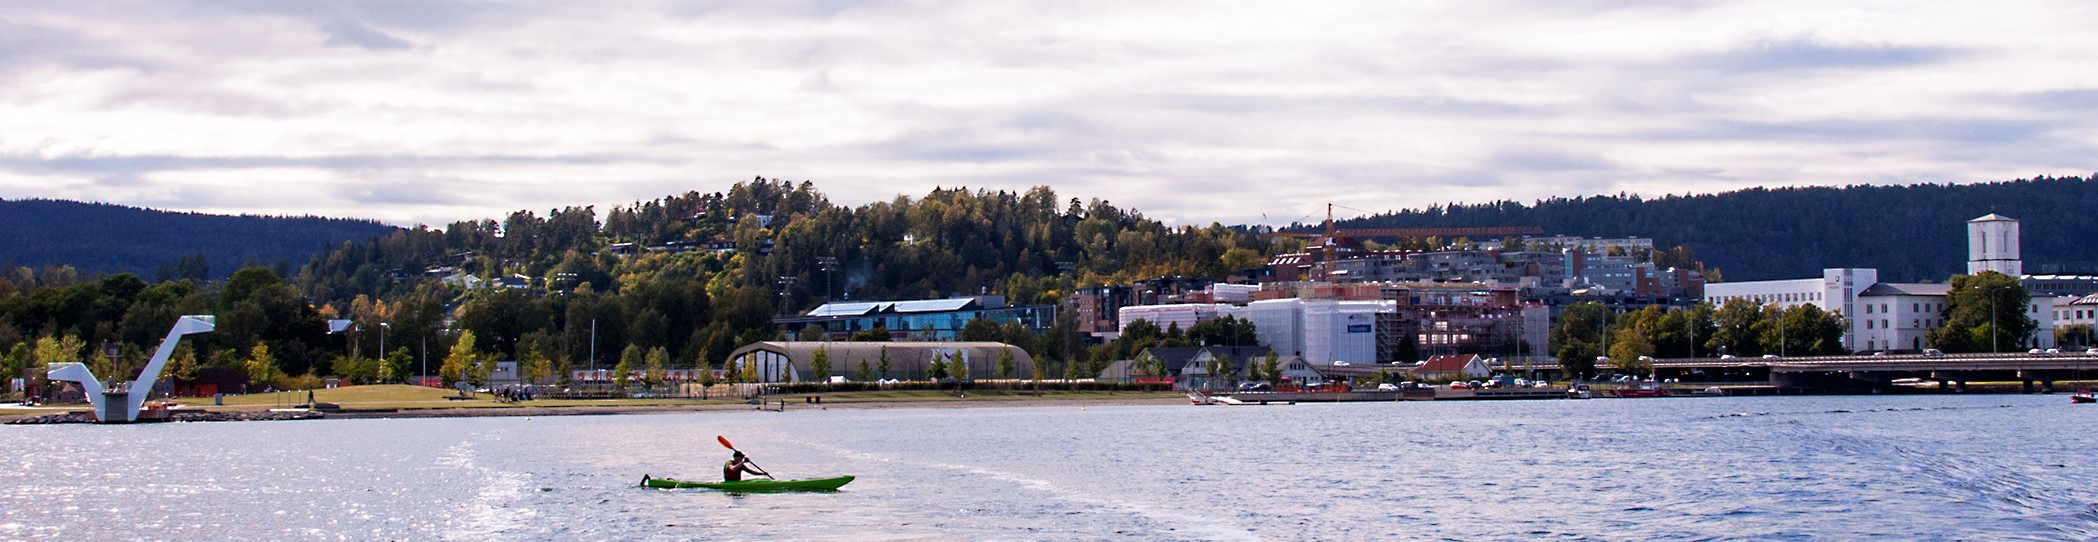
(1201, 398)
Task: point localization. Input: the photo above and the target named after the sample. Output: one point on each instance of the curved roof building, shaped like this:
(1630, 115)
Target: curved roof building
(793, 361)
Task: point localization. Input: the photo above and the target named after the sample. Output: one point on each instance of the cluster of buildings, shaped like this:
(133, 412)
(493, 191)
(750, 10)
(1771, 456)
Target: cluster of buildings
(1338, 306)
(1895, 317)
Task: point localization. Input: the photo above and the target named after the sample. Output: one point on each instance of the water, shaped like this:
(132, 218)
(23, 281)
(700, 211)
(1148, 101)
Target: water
(1815, 468)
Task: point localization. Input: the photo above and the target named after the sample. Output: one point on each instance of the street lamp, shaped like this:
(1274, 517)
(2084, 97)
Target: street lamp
(383, 326)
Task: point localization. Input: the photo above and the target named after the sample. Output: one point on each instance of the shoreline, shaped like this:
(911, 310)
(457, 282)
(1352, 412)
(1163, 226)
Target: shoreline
(15, 415)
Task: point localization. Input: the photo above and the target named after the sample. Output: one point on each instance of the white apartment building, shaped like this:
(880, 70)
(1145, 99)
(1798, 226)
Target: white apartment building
(1836, 291)
(1897, 316)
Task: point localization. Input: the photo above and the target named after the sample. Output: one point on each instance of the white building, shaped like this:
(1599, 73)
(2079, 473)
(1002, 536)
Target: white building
(1992, 245)
(1836, 291)
(1897, 316)
(1184, 315)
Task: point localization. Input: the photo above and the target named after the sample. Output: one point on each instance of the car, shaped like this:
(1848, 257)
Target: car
(2036, 352)
(1727, 357)
(1256, 386)
(1770, 356)
(2090, 351)
(1880, 353)
(1387, 386)
(1933, 352)
(1460, 385)
(2053, 351)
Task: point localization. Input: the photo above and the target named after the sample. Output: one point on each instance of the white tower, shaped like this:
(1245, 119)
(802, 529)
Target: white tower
(1992, 245)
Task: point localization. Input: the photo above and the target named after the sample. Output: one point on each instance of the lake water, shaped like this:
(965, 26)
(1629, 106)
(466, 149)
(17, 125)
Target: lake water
(1995, 467)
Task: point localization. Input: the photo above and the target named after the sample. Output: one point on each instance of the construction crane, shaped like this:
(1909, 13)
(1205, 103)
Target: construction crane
(1415, 233)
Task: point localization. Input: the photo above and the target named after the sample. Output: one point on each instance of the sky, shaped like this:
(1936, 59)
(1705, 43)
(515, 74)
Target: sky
(433, 111)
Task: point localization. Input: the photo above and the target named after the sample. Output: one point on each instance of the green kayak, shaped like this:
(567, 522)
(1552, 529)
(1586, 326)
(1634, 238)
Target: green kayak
(751, 486)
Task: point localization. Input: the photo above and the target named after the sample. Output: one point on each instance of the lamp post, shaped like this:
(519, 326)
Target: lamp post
(383, 326)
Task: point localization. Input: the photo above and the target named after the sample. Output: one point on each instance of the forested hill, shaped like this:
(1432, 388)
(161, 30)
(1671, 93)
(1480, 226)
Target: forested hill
(104, 238)
(1910, 233)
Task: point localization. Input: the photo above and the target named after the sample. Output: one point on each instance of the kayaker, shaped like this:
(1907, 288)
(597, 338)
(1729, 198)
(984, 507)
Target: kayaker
(734, 469)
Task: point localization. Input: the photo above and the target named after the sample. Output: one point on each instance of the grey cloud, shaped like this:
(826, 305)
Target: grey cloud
(149, 163)
(1805, 54)
(2060, 100)
(345, 32)
(1547, 159)
(384, 188)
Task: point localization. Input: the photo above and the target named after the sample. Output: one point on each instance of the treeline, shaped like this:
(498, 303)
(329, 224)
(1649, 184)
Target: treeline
(648, 277)
(1910, 233)
(101, 239)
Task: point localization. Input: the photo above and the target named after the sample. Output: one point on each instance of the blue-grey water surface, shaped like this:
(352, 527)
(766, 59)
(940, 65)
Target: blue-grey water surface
(1990, 467)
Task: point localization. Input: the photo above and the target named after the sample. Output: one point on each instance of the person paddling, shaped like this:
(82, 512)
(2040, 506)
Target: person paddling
(736, 466)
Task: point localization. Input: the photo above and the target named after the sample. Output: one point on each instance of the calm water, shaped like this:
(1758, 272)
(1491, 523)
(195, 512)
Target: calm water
(1835, 468)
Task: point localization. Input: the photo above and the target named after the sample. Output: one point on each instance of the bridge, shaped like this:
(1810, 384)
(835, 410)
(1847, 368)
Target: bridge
(1949, 371)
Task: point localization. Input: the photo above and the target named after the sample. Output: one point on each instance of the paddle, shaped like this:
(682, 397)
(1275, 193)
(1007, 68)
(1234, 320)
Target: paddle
(746, 457)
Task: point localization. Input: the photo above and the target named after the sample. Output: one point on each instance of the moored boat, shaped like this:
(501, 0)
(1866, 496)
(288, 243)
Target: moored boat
(2085, 396)
(1640, 390)
(751, 486)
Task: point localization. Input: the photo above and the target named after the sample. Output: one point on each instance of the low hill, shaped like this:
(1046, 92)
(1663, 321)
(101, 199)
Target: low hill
(105, 238)
(1910, 233)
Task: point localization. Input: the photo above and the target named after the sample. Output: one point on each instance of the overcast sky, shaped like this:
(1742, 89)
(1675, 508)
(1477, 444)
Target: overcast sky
(1239, 112)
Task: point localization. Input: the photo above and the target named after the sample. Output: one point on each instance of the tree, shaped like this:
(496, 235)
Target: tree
(1150, 366)
(819, 364)
(865, 373)
(1735, 328)
(2079, 335)
(936, 370)
(1219, 370)
(706, 375)
(64, 349)
(1984, 312)
(1576, 341)
(398, 365)
(884, 366)
(657, 360)
(261, 366)
(1271, 368)
(537, 368)
(462, 361)
(980, 329)
(1005, 364)
(631, 359)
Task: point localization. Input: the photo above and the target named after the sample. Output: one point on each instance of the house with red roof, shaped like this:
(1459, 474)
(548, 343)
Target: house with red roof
(1455, 367)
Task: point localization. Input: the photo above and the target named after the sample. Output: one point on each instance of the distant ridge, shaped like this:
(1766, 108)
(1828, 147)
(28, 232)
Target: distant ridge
(1908, 232)
(106, 238)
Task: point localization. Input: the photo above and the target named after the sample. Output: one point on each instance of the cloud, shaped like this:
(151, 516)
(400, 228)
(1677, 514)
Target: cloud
(345, 32)
(1809, 54)
(434, 111)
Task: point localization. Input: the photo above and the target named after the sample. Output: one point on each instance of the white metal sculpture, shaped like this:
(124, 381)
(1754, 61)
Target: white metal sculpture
(121, 403)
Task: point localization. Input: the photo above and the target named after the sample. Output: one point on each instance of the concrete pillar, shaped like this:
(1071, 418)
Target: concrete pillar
(1960, 387)
(2028, 385)
(2046, 386)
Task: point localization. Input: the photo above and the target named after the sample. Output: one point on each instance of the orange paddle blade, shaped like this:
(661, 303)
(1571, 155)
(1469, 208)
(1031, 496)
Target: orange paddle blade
(724, 442)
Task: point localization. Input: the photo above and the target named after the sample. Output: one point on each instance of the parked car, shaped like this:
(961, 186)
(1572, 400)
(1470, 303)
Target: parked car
(1460, 385)
(1256, 386)
(1932, 352)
